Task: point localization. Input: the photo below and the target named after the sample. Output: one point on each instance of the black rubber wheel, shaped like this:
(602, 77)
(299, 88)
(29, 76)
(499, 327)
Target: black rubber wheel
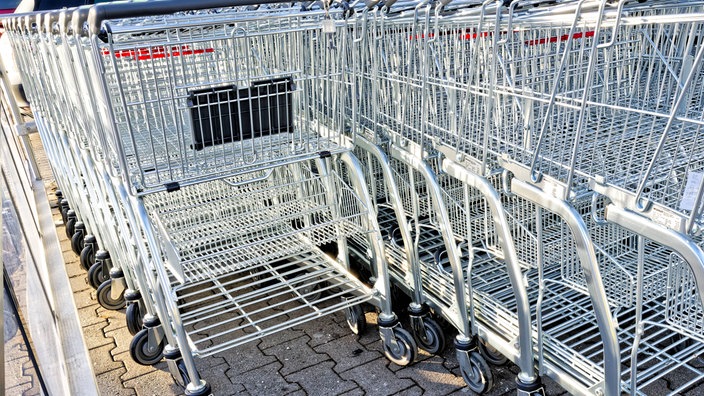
(182, 380)
(356, 319)
(133, 317)
(77, 243)
(88, 258)
(70, 226)
(477, 375)
(310, 291)
(205, 391)
(96, 275)
(140, 352)
(406, 353)
(106, 301)
(491, 355)
(433, 338)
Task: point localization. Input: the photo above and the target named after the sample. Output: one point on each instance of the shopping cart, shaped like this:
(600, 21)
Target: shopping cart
(227, 128)
(74, 148)
(453, 215)
(575, 86)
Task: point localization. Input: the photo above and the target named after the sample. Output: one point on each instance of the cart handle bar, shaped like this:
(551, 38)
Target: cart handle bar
(103, 11)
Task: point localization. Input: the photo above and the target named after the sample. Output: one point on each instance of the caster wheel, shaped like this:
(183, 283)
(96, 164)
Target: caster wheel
(476, 373)
(96, 275)
(356, 319)
(133, 317)
(310, 292)
(87, 257)
(77, 243)
(432, 340)
(204, 391)
(405, 353)
(142, 353)
(184, 380)
(64, 208)
(106, 301)
(181, 379)
(491, 355)
(70, 225)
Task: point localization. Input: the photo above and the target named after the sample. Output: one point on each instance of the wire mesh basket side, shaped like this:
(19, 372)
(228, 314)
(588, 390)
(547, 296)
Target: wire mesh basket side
(222, 227)
(683, 305)
(209, 100)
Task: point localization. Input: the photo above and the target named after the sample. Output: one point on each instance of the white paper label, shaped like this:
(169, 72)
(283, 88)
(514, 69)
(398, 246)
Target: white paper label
(328, 26)
(691, 190)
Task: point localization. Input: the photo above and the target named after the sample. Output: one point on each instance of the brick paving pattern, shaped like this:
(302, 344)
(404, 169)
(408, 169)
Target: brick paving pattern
(321, 357)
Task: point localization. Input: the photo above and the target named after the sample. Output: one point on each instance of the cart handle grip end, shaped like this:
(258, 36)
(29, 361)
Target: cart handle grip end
(117, 10)
(371, 3)
(65, 19)
(79, 18)
(388, 4)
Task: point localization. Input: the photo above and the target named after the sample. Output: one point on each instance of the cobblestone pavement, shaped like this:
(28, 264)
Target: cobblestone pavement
(20, 374)
(321, 357)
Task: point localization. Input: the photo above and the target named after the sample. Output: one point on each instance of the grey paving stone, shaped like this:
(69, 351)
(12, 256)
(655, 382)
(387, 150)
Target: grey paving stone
(88, 317)
(552, 387)
(377, 379)
(245, 358)
(220, 320)
(347, 353)
(466, 392)
(217, 377)
(109, 384)
(15, 375)
(323, 330)
(132, 369)
(354, 392)
(65, 249)
(85, 298)
(102, 359)
(116, 319)
(18, 389)
(280, 337)
(157, 382)
(122, 339)
(264, 380)
(15, 349)
(662, 387)
(74, 269)
(94, 336)
(432, 376)
(31, 372)
(321, 379)
(79, 283)
(296, 355)
(212, 361)
(414, 391)
(371, 335)
(695, 391)
(449, 358)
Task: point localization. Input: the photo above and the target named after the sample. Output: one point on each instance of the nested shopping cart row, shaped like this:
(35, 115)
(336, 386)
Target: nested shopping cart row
(204, 151)
(580, 121)
(530, 172)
